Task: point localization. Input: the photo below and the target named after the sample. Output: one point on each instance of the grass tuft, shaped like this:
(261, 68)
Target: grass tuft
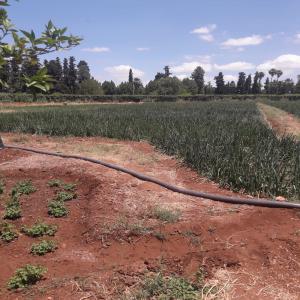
(40, 229)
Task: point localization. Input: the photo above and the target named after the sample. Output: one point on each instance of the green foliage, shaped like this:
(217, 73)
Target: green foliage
(57, 209)
(65, 196)
(7, 232)
(2, 185)
(165, 214)
(292, 107)
(90, 87)
(225, 141)
(40, 229)
(167, 288)
(43, 247)
(12, 209)
(26, 276)
(59, 183)
(24, 187)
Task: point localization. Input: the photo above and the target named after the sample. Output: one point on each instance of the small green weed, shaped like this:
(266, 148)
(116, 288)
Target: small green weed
(7, 232)
(12, 210)
(65, 196)
(159, 235)
(43, 247)
(26, 276)
(165, 214)
(2, 185)
(55, 183)
(167, 288)
(61, 184)
(57, 209)
(40, 229)
(24, 187)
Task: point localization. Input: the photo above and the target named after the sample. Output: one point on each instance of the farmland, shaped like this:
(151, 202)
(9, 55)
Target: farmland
(292, 107)
(227, 142)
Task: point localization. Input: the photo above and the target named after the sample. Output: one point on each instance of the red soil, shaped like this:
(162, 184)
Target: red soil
(100, 258)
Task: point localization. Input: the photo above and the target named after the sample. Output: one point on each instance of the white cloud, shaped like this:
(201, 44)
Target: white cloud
(205, 29)
(142, 49)
(201, 58)
(230, 78)
(120, 72)
(297, 38)
(205, 32)
(189, 67)
(183, 76)
(252, 40)
(287, 63)
(97, 49)
(235, 66)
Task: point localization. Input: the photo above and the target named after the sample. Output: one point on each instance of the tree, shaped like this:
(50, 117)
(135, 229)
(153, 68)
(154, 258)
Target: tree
(83, 72)
(248, 84)
(267, 86)
(72, 75)
(240, 89)
(21, 45)
(15, 76)
(124, 88)
(164, 86)
(138, 86)
(256, 85)
(231, 88)
(5, 72)
(297, 86)
(278, 74)
(272, 72)
(189, 86)
(90, 87)
(209, 89)
(198, 76)
(109, 88)
(167, 71)
(130, 80)
(159, 76)
(66, 73)
(220, 85)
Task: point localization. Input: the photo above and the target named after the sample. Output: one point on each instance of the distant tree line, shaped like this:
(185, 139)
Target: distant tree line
(75, 78)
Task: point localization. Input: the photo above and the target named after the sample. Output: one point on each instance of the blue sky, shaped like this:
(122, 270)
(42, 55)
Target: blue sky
(220, 35)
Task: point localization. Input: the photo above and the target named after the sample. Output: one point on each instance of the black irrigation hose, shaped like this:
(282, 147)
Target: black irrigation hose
(226, 199)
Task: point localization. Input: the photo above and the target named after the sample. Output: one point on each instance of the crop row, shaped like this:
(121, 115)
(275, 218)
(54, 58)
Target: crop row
(225, 141)
(292, 107)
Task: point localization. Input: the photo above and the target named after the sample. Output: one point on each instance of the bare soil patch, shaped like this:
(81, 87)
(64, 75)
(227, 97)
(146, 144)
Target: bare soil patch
(110, 240)
(282, 122)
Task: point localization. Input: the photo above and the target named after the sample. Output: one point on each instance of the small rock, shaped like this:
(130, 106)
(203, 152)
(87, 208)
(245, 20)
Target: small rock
(280, 198)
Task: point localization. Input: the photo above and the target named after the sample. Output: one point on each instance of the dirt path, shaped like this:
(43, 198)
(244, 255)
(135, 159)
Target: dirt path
(110, 241)
(281, 121)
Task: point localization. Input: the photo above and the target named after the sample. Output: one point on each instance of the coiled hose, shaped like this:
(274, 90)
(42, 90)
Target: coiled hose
(226, 199)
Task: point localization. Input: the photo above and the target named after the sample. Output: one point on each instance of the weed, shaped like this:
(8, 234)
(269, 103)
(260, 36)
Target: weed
(194, 238)
(40, 229)
(160, 287)
(43, 247)
(12, 210)
(23, 188)
(2, 187)
(57, 209)
(165, 214)
(159, 235)
(65, 196)
(61, 184)
(7, 232)
(26, 276)
(55, 183)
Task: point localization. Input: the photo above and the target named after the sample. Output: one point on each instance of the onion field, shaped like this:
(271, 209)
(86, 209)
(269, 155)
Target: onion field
(292, 107)
(227, 142)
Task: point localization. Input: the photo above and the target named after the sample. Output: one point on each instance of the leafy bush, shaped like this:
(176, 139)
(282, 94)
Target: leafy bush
(40, 229)
(23, 188)
(26, 276)
(65, 196)
(43, 247)
(160, 287)
(55, 183)
(12, 210)
(57, 209)
(7, 232)
(165, 214)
